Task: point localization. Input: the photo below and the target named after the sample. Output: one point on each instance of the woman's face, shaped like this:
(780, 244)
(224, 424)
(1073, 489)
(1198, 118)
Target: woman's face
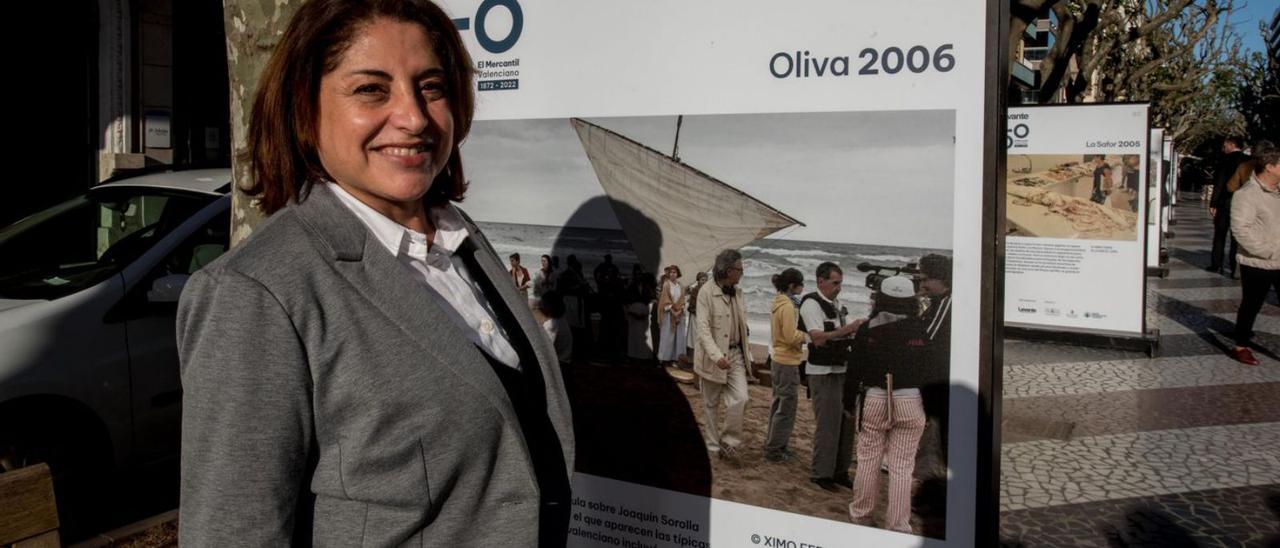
(385, 128)
(797, 289)
(546, 263)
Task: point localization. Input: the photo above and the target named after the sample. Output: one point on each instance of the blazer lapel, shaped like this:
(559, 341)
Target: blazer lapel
(380, 278)
(515, 302)
(481, 253)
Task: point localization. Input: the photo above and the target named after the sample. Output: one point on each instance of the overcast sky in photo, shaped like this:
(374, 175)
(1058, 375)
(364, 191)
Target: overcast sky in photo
(881, 178)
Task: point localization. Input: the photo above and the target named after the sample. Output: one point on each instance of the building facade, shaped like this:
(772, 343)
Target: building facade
(139, 83)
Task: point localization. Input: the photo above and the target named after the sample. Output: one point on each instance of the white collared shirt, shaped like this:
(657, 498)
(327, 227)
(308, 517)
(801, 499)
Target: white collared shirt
(444, 274)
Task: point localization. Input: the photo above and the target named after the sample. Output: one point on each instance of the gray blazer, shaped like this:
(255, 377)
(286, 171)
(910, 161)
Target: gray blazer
(329, 400)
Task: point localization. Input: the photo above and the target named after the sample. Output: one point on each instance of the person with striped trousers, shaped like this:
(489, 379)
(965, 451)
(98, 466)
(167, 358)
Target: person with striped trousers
(883, 395)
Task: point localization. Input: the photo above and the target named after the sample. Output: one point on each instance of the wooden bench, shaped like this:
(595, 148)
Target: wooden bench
(28, 512)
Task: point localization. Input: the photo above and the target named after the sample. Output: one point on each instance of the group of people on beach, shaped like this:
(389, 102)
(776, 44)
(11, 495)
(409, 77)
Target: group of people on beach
(870, 379)
(874, 382)
(642, 318)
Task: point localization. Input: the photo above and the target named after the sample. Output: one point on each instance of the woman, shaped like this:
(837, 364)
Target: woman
(1255, 226)
(786, 354)
(671, 301)
(359, 371)
(885, 398)
(543, 280)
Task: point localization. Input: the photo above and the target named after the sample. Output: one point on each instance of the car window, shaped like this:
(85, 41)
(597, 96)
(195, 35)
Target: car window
(78, 243)
(199, 249)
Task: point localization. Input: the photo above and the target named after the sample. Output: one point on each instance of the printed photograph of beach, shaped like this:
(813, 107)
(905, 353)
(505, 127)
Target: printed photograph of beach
(611, 225)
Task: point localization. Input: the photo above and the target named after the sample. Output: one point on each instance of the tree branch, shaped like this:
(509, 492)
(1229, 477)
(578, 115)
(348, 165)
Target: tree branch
(1072, 34)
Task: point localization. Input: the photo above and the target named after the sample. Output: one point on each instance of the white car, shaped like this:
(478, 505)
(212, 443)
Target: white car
(88, 293)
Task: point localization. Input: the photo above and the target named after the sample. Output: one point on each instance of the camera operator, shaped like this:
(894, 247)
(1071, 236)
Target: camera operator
(825, 321)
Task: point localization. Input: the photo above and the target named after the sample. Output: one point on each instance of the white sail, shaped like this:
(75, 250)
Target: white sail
(671, 212)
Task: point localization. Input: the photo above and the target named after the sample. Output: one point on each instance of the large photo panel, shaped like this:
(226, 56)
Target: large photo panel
(620, 148)
(789, 191)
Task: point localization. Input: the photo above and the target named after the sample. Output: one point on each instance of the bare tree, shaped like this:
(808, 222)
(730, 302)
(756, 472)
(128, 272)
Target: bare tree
(1258, 100)
(1178, 54)
(1193, 89)
(253, 28)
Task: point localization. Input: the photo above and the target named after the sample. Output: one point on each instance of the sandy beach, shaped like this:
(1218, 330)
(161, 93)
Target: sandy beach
(785, 486)
(659, 444)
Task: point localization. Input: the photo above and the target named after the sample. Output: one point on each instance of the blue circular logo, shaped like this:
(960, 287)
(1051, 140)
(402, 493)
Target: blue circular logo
(517, 24)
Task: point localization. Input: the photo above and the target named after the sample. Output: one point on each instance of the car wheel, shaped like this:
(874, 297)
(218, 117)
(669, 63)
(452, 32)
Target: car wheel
(78, 461)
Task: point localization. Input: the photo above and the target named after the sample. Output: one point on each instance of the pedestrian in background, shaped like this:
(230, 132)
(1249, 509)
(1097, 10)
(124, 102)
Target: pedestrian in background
(1255, 224)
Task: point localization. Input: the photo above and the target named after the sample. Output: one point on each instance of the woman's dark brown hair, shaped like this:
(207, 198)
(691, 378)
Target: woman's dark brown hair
(283, 130)
(787, 278)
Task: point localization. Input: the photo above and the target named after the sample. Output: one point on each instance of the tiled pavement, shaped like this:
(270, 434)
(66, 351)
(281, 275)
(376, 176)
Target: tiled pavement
(1242, 516)
(1116, 466)
(1112, 448)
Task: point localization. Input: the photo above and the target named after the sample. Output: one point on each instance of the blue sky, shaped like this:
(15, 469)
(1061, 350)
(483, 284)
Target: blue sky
(1245, 20)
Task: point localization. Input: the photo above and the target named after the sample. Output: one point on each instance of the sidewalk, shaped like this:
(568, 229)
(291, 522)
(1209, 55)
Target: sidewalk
(1110, 448)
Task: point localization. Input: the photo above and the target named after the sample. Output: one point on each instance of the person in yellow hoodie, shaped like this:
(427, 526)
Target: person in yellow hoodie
(788, 352)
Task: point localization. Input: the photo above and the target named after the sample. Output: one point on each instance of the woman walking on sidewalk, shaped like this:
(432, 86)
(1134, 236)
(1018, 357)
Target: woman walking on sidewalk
(1255, 225)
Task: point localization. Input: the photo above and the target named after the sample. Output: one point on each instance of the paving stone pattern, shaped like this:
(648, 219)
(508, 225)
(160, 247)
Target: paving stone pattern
(1242, 516)
(1066, 417)
(1106, 448)
(1021, 381)
(1096, 468)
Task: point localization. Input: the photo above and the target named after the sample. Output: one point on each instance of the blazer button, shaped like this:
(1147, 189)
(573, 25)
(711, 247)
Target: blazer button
(486, 327)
